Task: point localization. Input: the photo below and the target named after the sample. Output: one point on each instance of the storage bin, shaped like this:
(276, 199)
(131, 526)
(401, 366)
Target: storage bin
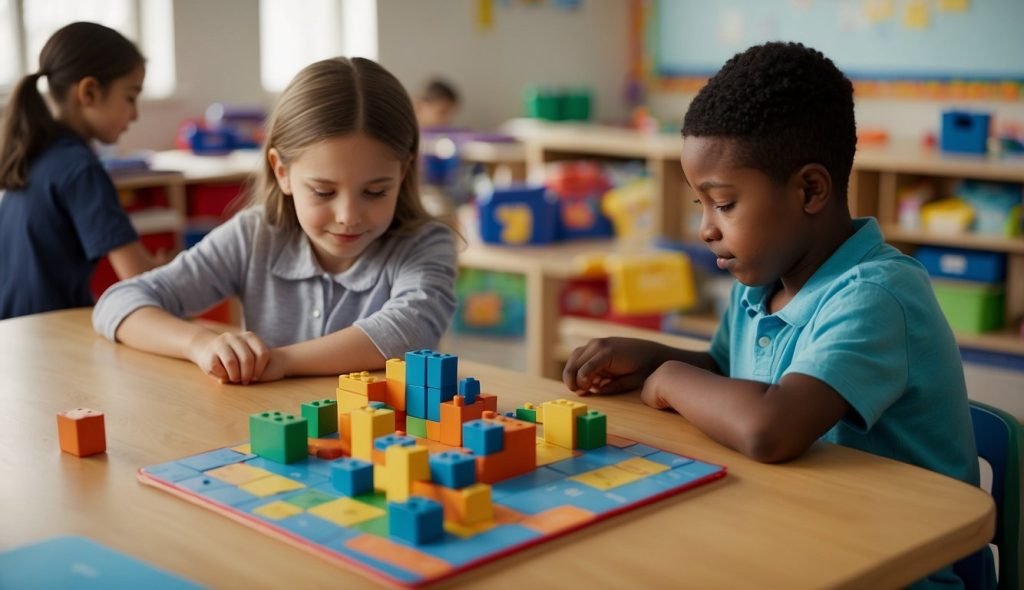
(972, 308)
(965, 132)
(965, 265)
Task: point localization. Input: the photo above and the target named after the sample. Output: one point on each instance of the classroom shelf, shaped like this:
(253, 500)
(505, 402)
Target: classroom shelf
(894, 233)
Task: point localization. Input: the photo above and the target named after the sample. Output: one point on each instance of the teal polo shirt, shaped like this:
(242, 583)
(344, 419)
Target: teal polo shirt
(866, 323)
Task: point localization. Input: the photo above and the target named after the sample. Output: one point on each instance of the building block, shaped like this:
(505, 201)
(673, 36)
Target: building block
(435, 397)
(454, 414)
(400, 417)
(527, 413)
(417, 520)
(82, 432)
(348, 401)
(433, 430)
(416, 367)
(327, 448)
(416, 426)
(483, 437)
(321, 417)
(416, 400)
(443, 372)
(365, 384)
(378, 406)
(490, 402)
(394, 371)
(469, 388)
(453, 470)
(405, 465)
(519, 455)
(367, 425)
(591, 430)
(560, 421)
(467, 506)
(382, 443)
(277, 436)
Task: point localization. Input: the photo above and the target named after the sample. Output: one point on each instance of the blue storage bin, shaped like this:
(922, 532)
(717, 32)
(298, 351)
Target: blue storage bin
(965, 132)
(965, 265)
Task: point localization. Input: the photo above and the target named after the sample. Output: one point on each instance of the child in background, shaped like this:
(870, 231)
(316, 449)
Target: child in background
(831, 333)
(437, 104)
(337, 265)
(60, 213)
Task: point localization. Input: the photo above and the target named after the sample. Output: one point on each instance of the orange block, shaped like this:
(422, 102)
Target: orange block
(345, 429)
(454, 502)
(454, 415)
(328, 448)
(82, 432)
(490, 402)
(433, 430)
(394, 396)
(374, 388)
(400, 420)
(518, 457)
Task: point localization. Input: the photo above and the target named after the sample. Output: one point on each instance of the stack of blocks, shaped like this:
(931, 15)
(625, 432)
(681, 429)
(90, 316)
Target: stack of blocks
(423, 395)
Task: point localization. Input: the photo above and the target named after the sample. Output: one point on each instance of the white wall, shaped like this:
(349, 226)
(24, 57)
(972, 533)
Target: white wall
(525, 45)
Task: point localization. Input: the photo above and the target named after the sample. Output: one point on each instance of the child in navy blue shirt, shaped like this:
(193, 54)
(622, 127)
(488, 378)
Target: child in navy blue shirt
(59, 212)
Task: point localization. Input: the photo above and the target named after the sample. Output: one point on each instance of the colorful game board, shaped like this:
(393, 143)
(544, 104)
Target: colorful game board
(309, 501)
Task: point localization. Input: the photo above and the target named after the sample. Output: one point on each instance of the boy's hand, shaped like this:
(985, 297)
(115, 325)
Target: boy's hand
(231, 358)
(611, 365)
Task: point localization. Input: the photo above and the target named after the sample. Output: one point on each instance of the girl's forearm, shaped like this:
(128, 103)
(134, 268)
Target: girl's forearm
(152, 329)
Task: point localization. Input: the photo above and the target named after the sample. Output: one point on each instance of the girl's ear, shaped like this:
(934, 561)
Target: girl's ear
(280, 171)
(88, 91)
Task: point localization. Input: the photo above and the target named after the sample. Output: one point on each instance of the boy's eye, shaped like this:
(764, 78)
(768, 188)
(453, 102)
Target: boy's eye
(725, 207)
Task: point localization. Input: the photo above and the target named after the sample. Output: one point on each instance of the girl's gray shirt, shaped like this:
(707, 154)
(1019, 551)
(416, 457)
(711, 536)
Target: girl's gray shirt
(400, 291)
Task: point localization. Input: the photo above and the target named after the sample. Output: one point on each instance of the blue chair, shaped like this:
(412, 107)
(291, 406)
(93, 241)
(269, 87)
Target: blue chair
(998, 437)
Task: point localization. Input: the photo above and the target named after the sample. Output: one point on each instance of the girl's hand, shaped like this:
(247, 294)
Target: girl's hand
(231, 358)
(611, 365)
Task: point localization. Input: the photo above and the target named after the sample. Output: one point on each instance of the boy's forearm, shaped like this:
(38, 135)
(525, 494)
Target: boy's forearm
(343, 351)
(696, 358)
(154, 330)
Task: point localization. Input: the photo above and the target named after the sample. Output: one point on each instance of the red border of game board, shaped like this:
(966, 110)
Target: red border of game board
(360, 567)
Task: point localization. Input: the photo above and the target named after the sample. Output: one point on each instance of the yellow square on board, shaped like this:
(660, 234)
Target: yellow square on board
(273, 484)
(642, 467)
(278, 510)
(606, 478)
(551, 453)
(346, 511)
(238, 473)
(246, 448)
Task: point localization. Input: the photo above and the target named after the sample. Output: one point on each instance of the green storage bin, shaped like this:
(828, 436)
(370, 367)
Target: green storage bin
(972, 307)
(576, 105)
(542, 103)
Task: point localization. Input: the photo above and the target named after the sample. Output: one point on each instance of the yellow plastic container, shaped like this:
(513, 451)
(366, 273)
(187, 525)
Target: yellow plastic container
(657, 282)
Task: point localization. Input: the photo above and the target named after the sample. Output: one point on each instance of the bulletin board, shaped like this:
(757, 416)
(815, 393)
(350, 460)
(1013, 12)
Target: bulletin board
(914, 48)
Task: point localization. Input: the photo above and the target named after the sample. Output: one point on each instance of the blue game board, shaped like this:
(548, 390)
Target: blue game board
(297, 502)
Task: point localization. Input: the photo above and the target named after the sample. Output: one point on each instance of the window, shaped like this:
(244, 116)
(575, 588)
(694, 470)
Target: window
(27, 24)
(296, 33)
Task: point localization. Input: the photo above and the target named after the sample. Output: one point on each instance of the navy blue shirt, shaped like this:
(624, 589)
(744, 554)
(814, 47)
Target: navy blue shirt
(55, 229)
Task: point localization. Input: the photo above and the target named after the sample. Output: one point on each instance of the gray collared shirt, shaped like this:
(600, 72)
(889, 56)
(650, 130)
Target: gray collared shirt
(400, 292)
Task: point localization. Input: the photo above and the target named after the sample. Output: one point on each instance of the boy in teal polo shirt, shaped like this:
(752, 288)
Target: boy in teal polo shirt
(831, 333)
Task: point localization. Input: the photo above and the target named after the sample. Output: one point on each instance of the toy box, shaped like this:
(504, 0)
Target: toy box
(965, 132)
(972, 308)
(965, 265)
(518, 216)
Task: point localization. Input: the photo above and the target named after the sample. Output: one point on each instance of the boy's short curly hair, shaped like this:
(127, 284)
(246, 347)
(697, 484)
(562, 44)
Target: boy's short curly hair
(786, 105)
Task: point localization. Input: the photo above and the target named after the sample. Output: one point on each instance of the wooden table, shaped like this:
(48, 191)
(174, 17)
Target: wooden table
(836, 518)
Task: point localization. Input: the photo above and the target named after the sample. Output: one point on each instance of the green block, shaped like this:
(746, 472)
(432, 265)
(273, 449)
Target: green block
(526, 414)
(277, 436)
(591, 430)
(322, 417)
(416, 426)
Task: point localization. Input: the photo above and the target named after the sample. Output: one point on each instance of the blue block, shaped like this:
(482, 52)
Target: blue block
(416, 401)
(434, 398)
(381, 443)
(377, 405)
(416, 367)
(443, 371)
(417, 520)
(453, 470)
(352, 477)
(482, 437)
(964, 132)
(469, 388)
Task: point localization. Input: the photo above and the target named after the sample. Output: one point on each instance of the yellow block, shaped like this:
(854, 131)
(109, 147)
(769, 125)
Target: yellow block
(606, 478)
(651, 283)
(642, 467)
(348, 401)
(270, 485)
(477, 504)
(346, 511)
(278, 510)
(405, 465)
(380, 478)
(560, 421)
(368, 424)
(394, 370)
(238, 473)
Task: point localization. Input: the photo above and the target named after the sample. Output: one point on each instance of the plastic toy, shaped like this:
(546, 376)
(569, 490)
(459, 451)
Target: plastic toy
(518, 216)
(414, 510)
(82, 432)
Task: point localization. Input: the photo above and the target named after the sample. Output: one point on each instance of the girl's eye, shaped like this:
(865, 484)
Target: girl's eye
(725, 207)
(323, 194)
(375, 194)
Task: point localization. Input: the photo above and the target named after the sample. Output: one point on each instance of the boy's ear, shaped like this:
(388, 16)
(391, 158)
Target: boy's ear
(280, 171)
(816, 183)
(88, 91)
